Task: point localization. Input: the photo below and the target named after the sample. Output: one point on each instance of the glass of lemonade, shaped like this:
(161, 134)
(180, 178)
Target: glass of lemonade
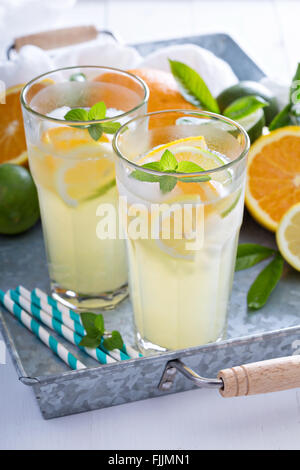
(181, 179)
(72, 163)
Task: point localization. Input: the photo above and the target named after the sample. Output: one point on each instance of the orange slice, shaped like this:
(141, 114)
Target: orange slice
(273, 184)
(12, 135)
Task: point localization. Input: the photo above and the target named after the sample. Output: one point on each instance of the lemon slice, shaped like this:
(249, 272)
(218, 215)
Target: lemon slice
(179, 229)
(193, 149)
(84, 167)
(288, 236)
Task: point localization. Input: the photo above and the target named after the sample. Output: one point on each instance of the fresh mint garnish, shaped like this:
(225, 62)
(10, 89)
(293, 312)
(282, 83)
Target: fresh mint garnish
(244, 106)
(78, 77)
(96, 334)
(113, 341)
(169, 164)
(193, 87)
(248, 255)
(96, 113)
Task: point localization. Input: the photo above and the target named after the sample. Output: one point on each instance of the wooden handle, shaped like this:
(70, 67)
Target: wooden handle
(261, 377)
(58, 37)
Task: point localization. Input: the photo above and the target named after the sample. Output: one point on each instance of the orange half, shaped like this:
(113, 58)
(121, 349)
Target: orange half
(273, 183)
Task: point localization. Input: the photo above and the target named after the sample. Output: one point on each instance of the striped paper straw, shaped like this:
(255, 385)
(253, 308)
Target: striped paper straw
(51, 310)
(61, 329)
(37, 296)
(32, 325)
(40, 302)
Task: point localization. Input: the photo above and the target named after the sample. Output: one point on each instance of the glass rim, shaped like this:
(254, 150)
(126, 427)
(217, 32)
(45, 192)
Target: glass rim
(86, 123)
(208, 114)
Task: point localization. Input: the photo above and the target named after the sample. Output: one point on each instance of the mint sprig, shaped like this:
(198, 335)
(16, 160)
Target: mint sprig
(96, 113)
(169, 164)
(96, 334)
(248, 255)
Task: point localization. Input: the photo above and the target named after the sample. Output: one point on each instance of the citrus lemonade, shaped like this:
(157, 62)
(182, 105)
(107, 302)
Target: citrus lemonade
(181, 263)
(73, 168)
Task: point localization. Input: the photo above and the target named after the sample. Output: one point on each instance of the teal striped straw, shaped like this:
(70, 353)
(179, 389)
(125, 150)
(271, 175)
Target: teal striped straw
(40, 303)
(32, 325)
(61, 329)
(71, 319)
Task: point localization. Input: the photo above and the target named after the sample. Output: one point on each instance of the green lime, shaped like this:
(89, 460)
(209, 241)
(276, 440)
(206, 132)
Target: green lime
(19, 207)
(254, 124)
(247, 88)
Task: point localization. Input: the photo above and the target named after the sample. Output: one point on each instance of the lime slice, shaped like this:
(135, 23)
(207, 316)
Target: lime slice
(254, 124)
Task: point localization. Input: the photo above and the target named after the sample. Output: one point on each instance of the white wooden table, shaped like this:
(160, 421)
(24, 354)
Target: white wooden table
(268, 31)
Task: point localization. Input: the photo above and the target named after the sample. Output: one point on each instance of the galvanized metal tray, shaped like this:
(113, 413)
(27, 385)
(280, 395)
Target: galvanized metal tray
(272, 332)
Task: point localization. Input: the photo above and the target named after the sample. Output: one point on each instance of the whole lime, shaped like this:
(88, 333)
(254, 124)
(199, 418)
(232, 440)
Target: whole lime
(19, 207)
(247, 88)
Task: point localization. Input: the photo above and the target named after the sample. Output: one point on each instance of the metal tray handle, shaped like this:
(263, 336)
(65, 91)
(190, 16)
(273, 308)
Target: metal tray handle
(251, 379)
(56, 38)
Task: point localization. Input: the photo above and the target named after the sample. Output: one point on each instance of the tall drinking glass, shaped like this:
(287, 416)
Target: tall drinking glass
(72, 163)
(181, 178)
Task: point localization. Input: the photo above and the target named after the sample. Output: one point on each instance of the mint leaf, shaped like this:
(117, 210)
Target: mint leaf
(188, 167)
(95, 131)
(143, 176)
(153, 166)
(249, 254)
(115, 341)
(168, 162)
(88, 320)
(283, 118)
(78, 77)
(99, 324)
(244, 106)
(111, 127)
(97, 112)
(193, 87)
(77, 114)
(167, 183)
(265, 283)
(91, 342)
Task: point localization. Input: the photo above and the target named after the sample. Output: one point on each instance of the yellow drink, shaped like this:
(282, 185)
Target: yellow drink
(180, 284)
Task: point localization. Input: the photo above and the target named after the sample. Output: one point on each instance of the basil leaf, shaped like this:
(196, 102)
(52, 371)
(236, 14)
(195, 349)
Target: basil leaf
(167, 183)
(188, 167)
(111, 127)
(244, 106)
(168, 162)
(90, 341)
(78, 77)
(99, 324)
(114, 342)
(265, 283)
(97, 112)
(249, 254)
(282, 119)
(95, 131)
(77, 114)
(193, 87)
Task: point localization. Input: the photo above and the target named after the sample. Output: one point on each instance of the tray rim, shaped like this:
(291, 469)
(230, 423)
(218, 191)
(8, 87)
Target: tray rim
(169, 355)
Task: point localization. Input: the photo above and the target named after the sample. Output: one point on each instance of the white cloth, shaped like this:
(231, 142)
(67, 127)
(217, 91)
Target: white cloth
(33, 61)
